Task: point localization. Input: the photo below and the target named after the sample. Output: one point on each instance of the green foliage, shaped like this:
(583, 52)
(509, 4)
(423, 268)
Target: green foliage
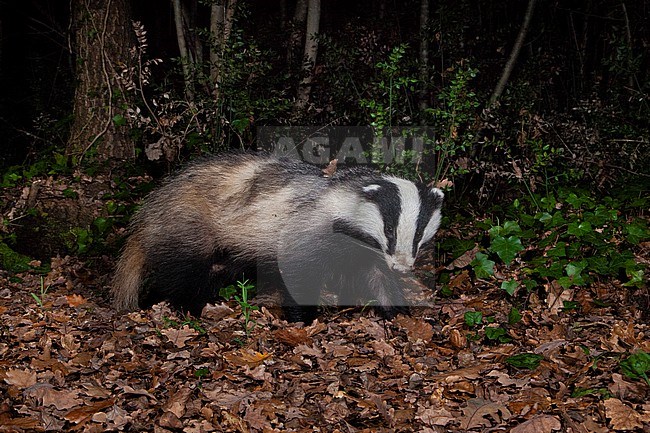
(494, 334)
(525, 360)
(514, 316)
(82, 238)
(92, 239)
(506, 248)
(569, 237)
(387, 106)
(41, 295)
(509, 286)
(242, 293)
(187, 321)
(201, 373)
(497, 334)
(13, 261)
(119, 120)
(453, 121)
(383, 107)
(218, 105)
(473, 318)
(583, 392)
(53, 164)
(582, 238)
(637, 366)
(483, 266)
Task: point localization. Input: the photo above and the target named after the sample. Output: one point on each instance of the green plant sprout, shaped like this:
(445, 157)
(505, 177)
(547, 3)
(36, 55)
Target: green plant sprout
(41, 295)
(242, 294)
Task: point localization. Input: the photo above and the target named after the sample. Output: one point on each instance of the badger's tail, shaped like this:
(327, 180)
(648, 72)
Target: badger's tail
(127, 280)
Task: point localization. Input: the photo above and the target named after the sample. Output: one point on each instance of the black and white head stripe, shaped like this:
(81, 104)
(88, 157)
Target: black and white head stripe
(419, 220)
(396, 216)
(429, 216)
(372, 219)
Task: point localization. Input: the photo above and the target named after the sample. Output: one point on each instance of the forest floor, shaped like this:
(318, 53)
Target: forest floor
(69, 363)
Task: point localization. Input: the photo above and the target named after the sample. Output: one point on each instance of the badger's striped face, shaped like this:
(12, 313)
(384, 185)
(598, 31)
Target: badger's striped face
(397, 217)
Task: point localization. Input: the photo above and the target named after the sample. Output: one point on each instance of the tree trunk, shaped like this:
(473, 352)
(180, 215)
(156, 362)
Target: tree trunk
(102, 38)
(424, 54)
(181, 39)
(628, 34)
(507, 70)
(311, 52)
(297, 24)
(222, 16)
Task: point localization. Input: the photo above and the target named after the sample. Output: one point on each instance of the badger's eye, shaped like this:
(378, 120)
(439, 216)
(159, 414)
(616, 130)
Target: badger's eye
(390, 230)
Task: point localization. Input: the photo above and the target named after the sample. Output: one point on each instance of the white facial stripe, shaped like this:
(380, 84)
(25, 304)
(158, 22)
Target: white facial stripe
(431, 228)
(408, 219)
(368, 218)
(363, 215)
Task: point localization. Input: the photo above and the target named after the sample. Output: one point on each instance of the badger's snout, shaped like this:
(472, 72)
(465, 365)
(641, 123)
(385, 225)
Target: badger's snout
(400, 263)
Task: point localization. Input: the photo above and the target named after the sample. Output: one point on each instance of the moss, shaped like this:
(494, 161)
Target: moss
(13, 261)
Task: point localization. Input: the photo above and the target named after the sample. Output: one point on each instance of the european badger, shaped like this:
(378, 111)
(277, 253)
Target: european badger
(355, 232)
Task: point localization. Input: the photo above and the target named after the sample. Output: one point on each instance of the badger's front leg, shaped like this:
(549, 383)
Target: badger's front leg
(375, 285)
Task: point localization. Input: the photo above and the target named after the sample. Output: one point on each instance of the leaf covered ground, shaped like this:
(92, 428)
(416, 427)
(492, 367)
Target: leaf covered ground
(69, 363)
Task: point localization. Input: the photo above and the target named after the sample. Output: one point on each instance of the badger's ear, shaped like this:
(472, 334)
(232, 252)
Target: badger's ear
(435, 192)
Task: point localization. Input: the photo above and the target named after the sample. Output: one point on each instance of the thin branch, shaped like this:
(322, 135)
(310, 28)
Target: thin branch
(628, 33)
(507, 70)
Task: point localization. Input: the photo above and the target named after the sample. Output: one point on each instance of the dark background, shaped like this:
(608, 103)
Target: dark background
(576, 53)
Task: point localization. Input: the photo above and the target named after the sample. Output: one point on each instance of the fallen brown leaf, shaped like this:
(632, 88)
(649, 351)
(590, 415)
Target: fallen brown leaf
(20, 378)
(622, 417)
(75, 300)
(179, 337)
(477, 411)
(415, 328)
(84, 413)
(538, 424)
(292, 336)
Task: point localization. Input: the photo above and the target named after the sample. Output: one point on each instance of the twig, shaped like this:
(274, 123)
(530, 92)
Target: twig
(507, 70)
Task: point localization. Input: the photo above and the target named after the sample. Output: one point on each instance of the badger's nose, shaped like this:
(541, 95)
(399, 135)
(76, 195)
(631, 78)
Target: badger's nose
(402, 263)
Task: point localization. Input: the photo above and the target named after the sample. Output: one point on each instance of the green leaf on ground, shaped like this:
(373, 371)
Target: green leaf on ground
(483, 266)
(525, 360)
(506, 248)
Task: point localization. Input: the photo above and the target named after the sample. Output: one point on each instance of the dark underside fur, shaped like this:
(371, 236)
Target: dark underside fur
(189, 281)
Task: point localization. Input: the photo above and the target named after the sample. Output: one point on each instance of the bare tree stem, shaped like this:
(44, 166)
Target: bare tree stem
(510, 64)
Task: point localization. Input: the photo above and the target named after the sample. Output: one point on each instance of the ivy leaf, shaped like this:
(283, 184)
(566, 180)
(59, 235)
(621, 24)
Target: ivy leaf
(637, 366)
(473, 318)
(559, 250)
(119, 120)
(102, 224)
(574, 269)
(496, 231)
(636, 233)
(636, 278)
(514, 316)
(509, 286)
(525, 360)
(511, 228)
(497, 334)
(506, 248)
(483, 267)
(573, 274)
(579, 229)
